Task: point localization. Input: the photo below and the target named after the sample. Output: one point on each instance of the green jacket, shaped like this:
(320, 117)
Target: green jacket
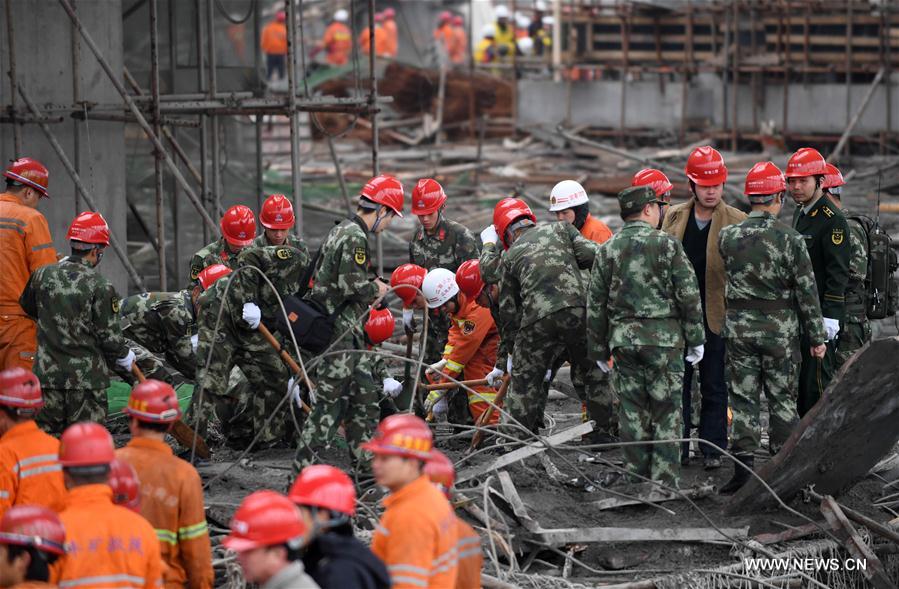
(826, 236)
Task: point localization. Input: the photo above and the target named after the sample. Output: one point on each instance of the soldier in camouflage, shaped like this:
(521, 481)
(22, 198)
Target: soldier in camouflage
(770, 294)
(344, 382)
(277, 217)
(78, 332)
(238, 231)
(643, 309)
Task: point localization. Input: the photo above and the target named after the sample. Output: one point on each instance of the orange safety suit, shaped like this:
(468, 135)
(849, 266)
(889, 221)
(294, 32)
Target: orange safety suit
(459, 46)
(34, 585)
(25, 246)
(338, 43)
(30, 473)
(274, 38)
(382, 44)
(596, 230)
(445, 37)
(172, 501)
(107, 546)
(416, 537)
(471, 351)
(471, 558)
(392, 37)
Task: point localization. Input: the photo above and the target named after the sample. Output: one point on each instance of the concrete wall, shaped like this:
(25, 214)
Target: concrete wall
(44, 58)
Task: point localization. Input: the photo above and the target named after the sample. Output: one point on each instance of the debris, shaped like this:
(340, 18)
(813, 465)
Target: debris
(564, 536)
(873, 569)
(655, 495)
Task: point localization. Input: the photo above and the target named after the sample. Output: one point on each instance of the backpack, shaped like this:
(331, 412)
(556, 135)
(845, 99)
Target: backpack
(882, 288)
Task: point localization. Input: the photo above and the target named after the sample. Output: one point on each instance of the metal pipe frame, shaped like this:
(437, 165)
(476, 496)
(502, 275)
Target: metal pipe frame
(296, 176)
(13, 79)
(158, 151)
(214, 146)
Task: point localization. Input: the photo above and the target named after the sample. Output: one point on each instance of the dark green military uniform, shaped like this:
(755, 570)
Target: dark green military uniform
(216, 252)
(160, 325)
(826, 235)
(770, 297)
(855, 330)
(78, 336)
(292, 240)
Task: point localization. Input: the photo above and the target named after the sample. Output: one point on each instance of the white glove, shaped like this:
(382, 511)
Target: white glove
(195, 342)
(694, 354)
(603, 367)
(493, 377)
(831, 327)
(392, 387)
(509, 363)
(436, 366)
(489, 235)
(409, 319)
(126, 362)
(252, 315)
(440, 409)
(548, 375)
(293, 387)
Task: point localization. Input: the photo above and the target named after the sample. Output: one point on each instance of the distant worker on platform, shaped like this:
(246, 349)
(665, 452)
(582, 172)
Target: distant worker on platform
(274, 45)
(337, 41)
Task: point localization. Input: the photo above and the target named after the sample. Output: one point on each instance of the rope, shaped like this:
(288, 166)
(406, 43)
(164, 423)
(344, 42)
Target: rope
(229, 18)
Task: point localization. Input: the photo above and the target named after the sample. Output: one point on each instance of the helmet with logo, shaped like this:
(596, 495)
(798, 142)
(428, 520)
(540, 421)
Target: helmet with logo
(385, 190)
(153, 401)
(404, 277)
(265, 518)
(33, 526)
(468, 277)
(89, 227)
(402, 434)
(427, 197)
(379, 326)
(656, 179)
(507, 212)
(764, 179)
(833, 178)
(438, 287)
(326, 487)
(705, 167)
(807, 161)
(85, 444)
(239, 226)
(29, 172)
(277, 213)
(567, 194)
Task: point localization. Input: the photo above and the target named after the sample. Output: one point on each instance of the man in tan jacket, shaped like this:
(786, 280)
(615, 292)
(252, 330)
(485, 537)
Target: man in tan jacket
(697, 223)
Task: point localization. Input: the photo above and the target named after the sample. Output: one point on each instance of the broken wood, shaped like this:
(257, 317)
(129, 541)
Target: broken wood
(791, 534)
(445, 386)
(518, 508)
(571, 535)
(873, 525)
(873, 570)
(287, 359)
(655, 495)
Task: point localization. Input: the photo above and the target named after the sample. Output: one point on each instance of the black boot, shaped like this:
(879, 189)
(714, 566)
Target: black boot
(741, 475)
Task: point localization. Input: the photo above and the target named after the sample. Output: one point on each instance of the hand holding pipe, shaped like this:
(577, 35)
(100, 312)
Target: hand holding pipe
(288, 359)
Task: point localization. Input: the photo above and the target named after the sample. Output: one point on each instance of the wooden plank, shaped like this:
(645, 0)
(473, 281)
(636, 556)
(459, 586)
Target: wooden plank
(873, 571)
(518, 506)
(563, 536)
(654, 495)
(791, 534)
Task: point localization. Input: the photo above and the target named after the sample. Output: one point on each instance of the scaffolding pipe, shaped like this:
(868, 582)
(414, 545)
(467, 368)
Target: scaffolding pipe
(13, 79)
(214, 123)
(76, 98)
(157, 153)
(257, 23)
(173, 138)
(201, 86)
(296, 175)
(372, 100)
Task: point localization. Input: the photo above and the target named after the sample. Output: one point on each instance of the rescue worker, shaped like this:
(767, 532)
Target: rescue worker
(171, 490)
(417, 535)
(276, 217)
(238, 231)
(541, 301)
(31, 540)
(537, 31)
(643, 309)
(342, 287)
(826, 234)
(326, 498)
(459, 48)
(444, 36)
(337, 40)
(107, 545)
(505, 35)
(696, 224)
(486, 50)
(381, 41)
(126, 487)
(76, 310)
(25, 246)
(473, 286)
(442, 473)
(30, 473)
(855, 331)
(383, 389)
(660, 183)
(470, 351)
(405, 276)
(771, 292)
(274, 45)
(389, 15)
(268, 535)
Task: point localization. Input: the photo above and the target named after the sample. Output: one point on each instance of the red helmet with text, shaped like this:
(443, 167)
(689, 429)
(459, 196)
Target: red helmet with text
(29, 172)
(705, 167)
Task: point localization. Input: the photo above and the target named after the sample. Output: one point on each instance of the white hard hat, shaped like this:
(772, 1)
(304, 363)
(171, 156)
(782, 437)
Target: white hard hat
(548, 21)
(521, 21)
(566, 194)
(540, 5)
(341, 15)
(438, 287)
(502, 11)
(526, 45)
(488, 31)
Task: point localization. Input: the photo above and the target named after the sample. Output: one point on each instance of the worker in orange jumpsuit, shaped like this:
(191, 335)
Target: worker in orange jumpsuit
(441, 472)
(470, 351)
(392, 34)
(274, 45)
(30, 473)
(31, 539)
(107, 545)
(460, 41)
(416, 536)
(25, 246)
(171, 491)
(337, 40)
(444, 35)
(382, 43)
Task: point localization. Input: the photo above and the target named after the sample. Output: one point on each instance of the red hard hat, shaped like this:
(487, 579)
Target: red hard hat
(654, 178)
(468, 278)
(407, 275)
(705, 167)
(277, 212)
(763, 179)
(458, 21)
(402, 434)
(833, 178)
(29, 172)
(153, 401)
(265, 518)
(441, 471)
(506, 212)
(385, 190)
(326, 487)
(89, 227)
(210, 274)
(389, 12)
(280, 16)
(125, 485)
(807, 161)
(34, 526)
(379, 326)
(379, 17)
(239, 226)
(445, 16)
(427, 197)
(85, 444)
(20, 388)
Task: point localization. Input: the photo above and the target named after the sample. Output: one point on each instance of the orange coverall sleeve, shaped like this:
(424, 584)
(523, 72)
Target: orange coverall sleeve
(409, 554)
(193, 534)
(9, 482)
(39, 244)
(466, 336)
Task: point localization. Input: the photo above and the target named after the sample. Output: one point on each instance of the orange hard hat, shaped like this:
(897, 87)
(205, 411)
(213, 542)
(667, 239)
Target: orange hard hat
(705, 167)
(326, 487)
(153, 401)
(125, 485)
(210, 274)
(807, 161)
(379, 326)
(468, 278)
(427, 197)
(277, 212)
(763, 179)
(34, 526)
(21, 389)
(239, 226)
(404, 435)
(29, 172)
(265, 518)
(405, 276)
(441, 471)
(656, 179)
(385, 190)
(85, 444)
(89, 227)
(506, 212)
(833, 178)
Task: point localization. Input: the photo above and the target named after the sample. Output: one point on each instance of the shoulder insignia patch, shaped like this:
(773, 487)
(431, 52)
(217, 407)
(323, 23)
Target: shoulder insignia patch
(116, 305)
(283, 253)
(359, 255)
(468, 327)
(195, 272)
(836, 236)
(826, 210)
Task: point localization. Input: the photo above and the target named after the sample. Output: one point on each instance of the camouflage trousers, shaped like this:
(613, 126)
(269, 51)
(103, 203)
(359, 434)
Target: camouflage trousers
(536, 349)
(649, 382)
(853, 335)
(347, 392)
(602, 407)
(63, 407)
(755, 365)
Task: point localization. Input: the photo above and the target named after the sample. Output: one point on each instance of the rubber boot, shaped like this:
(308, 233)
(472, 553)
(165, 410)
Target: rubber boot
(741, 475)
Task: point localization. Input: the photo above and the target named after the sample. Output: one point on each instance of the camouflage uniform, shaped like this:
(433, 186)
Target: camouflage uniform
(542, 302)
(216, 252)
(643, 307)
(770, 290)
(292, 240)
(78, 335)
(160, 324)
(346, 390)
(855, 331)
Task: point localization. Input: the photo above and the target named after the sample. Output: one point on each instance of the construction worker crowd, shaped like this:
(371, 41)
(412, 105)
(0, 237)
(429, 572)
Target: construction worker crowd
(747, 303)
